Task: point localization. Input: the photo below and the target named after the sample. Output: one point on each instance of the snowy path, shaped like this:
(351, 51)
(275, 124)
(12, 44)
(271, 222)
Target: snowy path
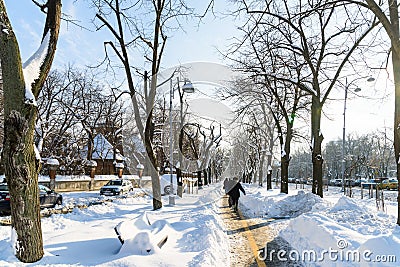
(246, 236)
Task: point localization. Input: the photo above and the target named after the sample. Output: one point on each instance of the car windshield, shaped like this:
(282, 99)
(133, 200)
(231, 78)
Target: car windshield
(3, 187)
(116, 182)
(43, 188)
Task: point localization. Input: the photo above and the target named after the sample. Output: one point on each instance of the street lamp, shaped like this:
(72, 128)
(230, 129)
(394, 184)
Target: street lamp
(187, 88)
(370, 79)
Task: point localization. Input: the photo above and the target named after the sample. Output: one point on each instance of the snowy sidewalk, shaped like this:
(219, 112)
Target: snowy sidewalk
(246, 236)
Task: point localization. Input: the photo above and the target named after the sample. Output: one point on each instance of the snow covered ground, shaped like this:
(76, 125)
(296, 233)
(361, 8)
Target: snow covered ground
(333, 231)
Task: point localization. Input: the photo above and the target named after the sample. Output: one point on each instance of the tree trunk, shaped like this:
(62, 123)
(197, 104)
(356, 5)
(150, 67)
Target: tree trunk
(261, 169)
(199, 181)
(90, 146)
(284, 174)
(394, 18)
(269, 180)
(205, 177)
(285, 160)
(21, 163)
(317, 138)
(155, 179)
(269, 162)
(22, 169)
(210, 176)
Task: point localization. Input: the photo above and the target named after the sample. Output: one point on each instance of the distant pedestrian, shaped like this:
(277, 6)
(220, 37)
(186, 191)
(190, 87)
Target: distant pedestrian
(234, 194)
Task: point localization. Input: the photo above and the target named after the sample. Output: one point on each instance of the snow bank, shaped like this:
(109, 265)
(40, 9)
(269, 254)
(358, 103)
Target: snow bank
(344, 203)
(385, 246)
(349, 233)
(283, 206)
(140, 237)
(208, 239)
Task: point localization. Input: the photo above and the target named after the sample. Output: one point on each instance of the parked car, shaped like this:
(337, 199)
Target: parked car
(331, 182)
(336, 182)
(291, 180)
(369, 183)
(388, 184)
(116, 187)
(358, 182)
(48, 198)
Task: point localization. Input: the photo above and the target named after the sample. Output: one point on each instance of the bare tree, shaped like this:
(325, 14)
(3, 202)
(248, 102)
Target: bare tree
(130, 30)
(54, 121)
(197, 143)
(253, 111)
(322, 48)
(73, 108)
(22, 84)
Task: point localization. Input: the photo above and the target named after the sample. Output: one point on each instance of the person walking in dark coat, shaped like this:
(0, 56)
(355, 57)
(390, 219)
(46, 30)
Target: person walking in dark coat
(228, 185)
(234, 194)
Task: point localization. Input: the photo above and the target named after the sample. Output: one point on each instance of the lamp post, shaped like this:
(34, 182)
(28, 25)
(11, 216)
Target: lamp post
(187, 88)
(53, 166)
(91, 167)
(119, 167)
(140, 169)
(370, 79)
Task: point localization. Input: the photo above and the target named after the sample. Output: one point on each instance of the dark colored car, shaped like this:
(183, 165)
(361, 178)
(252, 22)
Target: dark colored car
(369, 184)
(48, 198)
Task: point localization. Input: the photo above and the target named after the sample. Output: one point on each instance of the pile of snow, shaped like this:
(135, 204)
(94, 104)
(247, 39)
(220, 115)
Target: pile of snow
(349, 232)
(281, 206)
(357, 216)
(140, 237)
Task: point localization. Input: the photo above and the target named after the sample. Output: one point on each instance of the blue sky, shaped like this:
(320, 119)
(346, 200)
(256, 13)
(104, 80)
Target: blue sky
(80, 47)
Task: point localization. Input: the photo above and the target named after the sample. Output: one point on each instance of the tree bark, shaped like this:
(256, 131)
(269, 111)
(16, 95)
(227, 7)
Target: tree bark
(394, 18)
(21, 164)
(261, 169)
(317, 137)
(269, 161)
(205, 177)
(199, 181)
(155, 180)
(284, 174)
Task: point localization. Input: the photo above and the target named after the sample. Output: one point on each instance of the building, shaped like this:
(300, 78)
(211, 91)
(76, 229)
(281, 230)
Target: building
(105, 155)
